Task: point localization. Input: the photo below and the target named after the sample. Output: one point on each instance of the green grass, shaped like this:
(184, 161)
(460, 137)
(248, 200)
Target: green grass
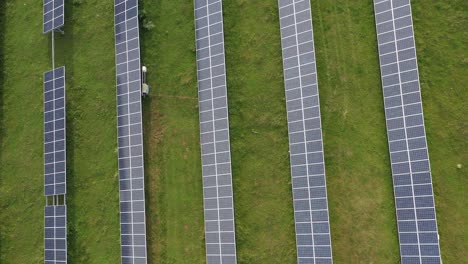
(86, 50)
(358, 176)
(20, 188)
(356, 155)
(173, 169)
(440, 30)
(260, 160)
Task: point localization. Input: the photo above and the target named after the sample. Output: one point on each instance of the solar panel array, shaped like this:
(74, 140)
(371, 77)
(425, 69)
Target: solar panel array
(55, 158)
(130, 133)
(305, 133)
(55, 234)
(214, 134)
(54, 132)
(54, 17)
(414, 197)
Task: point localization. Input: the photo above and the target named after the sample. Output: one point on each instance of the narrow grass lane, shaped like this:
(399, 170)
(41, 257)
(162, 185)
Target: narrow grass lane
(260, 158)
(172, 147)
(362, 213)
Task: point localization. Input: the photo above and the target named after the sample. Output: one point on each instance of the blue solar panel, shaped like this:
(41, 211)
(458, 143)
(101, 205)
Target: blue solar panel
(130, 133)
(214, 128)
(55, 234)
(305, 133)
(414, 198)
(54, 132)
(54, 15)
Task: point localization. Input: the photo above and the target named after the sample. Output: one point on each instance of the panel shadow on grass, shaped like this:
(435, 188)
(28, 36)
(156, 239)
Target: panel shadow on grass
(147, 128)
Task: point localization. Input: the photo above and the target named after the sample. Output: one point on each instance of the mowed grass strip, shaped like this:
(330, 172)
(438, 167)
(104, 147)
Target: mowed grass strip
(86, 50)
(440, 29)
(259, 143)
(360, 191)
(171, 132)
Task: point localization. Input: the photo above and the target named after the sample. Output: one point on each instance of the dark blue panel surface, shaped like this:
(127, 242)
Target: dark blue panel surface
(214, 137)
(305, 133)
(55, 234)
(130, 132)
(54, 132)
(54, 15)
(406, 134)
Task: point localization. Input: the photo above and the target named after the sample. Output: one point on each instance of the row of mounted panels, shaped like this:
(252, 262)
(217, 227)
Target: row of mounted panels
(214, 138)
(414, 197)
(130, 133)
(55, 216)
(312, 224)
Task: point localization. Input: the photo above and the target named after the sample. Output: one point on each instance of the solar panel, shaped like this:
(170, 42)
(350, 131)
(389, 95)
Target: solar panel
(414, 197)
(53, 15)
(305, 133)
(214, 134)
(130, 133)
(54, 132)
(55, 234)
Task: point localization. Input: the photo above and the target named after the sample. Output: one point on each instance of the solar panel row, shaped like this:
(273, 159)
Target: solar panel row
(53, 15)
(214, 134)
(54, 132)
(55, 234)
(305, 133)
(55, 158)
(414, 197)
(130, 133)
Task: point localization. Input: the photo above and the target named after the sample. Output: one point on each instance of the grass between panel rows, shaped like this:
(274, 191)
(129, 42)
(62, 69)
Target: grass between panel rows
(260, 159)
(173, 169)
(360, 192)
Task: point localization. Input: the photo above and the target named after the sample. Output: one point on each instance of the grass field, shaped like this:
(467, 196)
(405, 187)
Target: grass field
(86, 50)
(442, 51)
(358, 175)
